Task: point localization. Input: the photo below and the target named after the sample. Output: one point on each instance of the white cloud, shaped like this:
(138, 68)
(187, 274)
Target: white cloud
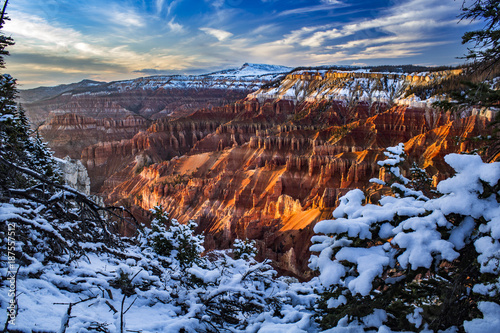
(318, 38)
(393, 50)
(35, 37)
(327, 5)
(35, 28)
(217, 33)
(171, 6)
(159, 5)
(125, 17)
(175, 27)
(297, 36)
(374, 41)
(264, 29)
(413, 20)
(216, 3)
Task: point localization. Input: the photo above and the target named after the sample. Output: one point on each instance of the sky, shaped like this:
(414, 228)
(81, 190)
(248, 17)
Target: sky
(65, 41)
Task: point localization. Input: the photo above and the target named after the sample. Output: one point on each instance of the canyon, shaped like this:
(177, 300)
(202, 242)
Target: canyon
(264, 159)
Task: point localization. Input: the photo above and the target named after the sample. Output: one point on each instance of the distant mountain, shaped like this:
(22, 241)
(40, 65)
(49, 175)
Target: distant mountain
(247, 77)
(40, 93)
(249, 69)
(148, 97)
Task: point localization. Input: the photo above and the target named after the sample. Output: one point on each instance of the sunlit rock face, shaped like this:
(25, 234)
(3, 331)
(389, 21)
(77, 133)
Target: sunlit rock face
(267, 166)
(257, 177)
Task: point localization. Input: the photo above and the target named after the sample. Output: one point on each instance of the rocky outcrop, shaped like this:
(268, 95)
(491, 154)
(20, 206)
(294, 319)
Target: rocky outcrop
(151, 97)
(74, 174)
(335, 85)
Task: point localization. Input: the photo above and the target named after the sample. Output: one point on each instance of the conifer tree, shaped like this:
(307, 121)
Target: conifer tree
(18, 142)
(479, 88)
(486, 41)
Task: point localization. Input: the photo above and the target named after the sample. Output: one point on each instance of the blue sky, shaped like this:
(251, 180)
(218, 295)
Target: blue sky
(63, 41)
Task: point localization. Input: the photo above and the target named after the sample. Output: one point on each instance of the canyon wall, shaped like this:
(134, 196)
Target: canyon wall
(75, 116)
(267, 166)
(258, 177)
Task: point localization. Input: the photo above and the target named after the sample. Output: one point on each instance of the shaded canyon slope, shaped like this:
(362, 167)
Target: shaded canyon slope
(269, 166)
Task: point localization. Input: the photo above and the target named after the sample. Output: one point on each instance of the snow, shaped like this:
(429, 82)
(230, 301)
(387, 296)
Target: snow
(370, 264)
(416, 317)
(490, 322)
(247, 77)
(489, 254)
(249, 69)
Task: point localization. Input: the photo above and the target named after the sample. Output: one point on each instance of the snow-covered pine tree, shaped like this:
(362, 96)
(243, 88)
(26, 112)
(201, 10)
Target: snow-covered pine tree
(215, 292)
(244, 249)
(18, 144)
(411, 263)
(172, 241)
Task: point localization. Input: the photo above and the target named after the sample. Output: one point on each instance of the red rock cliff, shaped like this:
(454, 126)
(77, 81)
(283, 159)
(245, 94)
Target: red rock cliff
(258, 177)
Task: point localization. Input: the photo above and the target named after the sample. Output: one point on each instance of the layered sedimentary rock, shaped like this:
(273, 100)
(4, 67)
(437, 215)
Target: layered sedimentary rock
(270, 165)
(73, 117)
(150, 97)
(257, 177)
(69, 134)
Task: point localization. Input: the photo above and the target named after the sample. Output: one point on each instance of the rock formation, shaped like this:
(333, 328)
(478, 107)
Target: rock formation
(266, 167)
(74, 174)
(68, 134)
(253, 177)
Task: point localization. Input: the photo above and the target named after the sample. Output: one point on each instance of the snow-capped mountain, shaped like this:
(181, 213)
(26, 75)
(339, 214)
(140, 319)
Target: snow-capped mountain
(247, 77)
(249, 70)
(152, 96)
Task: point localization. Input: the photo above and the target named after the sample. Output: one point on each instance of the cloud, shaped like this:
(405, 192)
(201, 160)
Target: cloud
(400, 24)
(388, 51)
(171, 6)
(44, 48)
(159, 5)
(219, 34)
(264, 29)
(327, 5)
(187, 71)
(175, 27)
(152, 71)
(318, 38)
(216, 3)
(63, 64)
(125, 17)
(297, 36)
(373, 41)
(32, 27)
